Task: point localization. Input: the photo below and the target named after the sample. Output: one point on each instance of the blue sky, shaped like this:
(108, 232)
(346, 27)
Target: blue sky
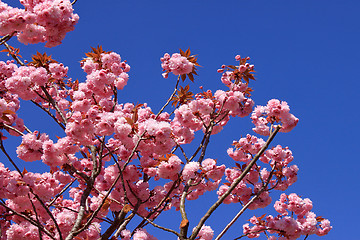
(305, 52)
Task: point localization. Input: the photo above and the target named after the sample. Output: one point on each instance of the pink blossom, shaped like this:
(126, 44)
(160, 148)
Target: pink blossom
(161, 130)
(125, 234)
(275, 111)
(13, 19)
(212, 171)
(300, 222)
(32, 34)
(183, 135)
(170, 169)
(21, 230)
(186, 117)
(89, 65)
(262, 201)
(231, 101)
(176, 64)
(57, 70)
(53, 18)
(206, 233)
(324, 228)
(31, 146)
(190, 170)
(142, 234)
(22, 82)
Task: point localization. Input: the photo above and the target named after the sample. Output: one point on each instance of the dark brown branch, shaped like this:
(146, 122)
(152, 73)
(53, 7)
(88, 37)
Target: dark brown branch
(8, 156)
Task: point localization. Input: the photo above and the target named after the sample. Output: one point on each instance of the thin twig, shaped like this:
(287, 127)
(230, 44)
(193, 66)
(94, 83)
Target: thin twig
(53, 103)
(160, 227)
(8, 156)
(171, 96)
(49, 113)
(17, 59)
(62, 191)
(14, 129)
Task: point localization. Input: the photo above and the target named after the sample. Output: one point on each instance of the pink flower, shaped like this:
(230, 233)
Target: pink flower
(206, 233)
(22, 230)
(31, 146)
(212, 171)
(176, 64)
(41, 21)
(324, 228)
(275, 111)
(57, 70)
(170, 169)
(190, 170)
(142, 234)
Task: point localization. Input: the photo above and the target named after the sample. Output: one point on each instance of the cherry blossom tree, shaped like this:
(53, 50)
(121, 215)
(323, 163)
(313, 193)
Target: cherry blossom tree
(121, 163)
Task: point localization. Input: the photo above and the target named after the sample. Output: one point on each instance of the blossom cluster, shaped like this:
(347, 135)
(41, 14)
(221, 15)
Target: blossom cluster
(295, 220)
(176, 64)
(41, 21)
(9, 103)
(280, 177)
(274, 111)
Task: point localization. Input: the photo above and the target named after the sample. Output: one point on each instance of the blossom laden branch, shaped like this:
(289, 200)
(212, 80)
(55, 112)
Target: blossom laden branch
(233, 185)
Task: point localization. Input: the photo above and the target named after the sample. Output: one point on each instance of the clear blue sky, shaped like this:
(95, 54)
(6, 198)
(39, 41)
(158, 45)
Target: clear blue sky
(305, 52)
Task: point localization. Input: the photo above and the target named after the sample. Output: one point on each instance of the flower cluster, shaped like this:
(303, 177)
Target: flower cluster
(206, 233)
(176, 64)
(280, 177)
(9, 103)
(300, 222)
(279, 159)
(274, 111)
(245, 148)
(41, 21)
(25, 81)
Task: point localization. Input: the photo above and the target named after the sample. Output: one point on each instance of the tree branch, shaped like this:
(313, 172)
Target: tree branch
(263, 188)
(168, 101)
(233, 185)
